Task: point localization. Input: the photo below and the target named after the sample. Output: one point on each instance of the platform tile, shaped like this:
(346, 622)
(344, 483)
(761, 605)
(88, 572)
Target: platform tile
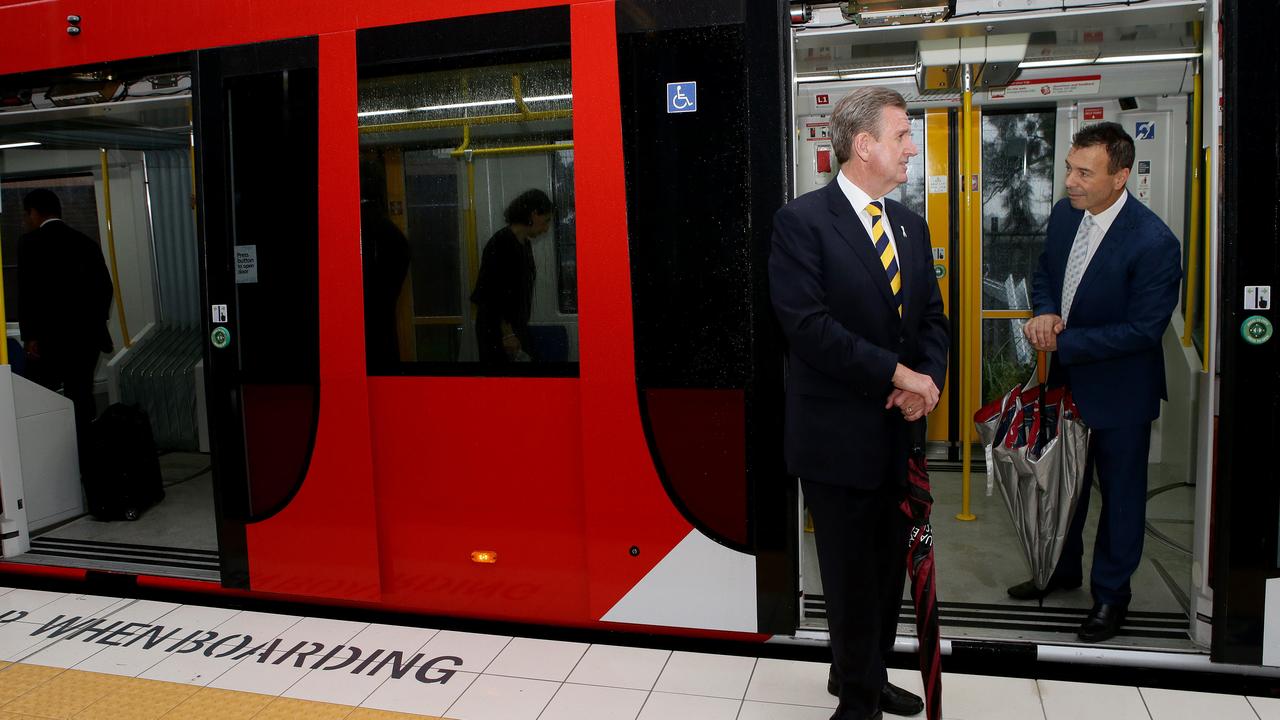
(64, 695)
(283, 708)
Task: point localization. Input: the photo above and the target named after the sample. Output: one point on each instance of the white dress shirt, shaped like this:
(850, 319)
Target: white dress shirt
(1101, 224)
(859, 199)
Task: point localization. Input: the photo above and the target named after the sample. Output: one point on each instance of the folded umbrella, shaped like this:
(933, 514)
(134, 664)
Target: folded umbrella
(924, 592)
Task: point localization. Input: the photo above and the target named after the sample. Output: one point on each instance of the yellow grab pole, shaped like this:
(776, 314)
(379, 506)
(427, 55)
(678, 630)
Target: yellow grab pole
(966, 301)
(1194, 227)
(513, 150)
(111, 249)
(1208, 254)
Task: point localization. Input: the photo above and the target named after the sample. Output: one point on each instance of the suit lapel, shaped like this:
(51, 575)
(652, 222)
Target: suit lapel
(849, 226)
(1106, 249)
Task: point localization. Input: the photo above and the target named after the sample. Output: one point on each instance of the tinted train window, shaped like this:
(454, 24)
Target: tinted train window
(467, 208)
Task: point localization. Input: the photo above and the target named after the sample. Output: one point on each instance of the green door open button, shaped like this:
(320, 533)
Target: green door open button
(221, 337)
(1256, 330)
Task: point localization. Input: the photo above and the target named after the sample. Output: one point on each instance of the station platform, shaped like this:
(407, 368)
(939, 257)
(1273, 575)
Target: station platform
(68, 655)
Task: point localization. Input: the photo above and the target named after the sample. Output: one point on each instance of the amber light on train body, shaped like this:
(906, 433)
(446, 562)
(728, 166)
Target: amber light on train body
(485, 557)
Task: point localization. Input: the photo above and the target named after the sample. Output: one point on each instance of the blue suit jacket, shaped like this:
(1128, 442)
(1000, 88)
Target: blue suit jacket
(1109, 353)
(832, 297)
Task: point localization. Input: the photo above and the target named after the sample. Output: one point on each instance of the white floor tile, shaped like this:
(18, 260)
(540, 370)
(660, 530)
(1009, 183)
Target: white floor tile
(28, 601)
(752, 710)
(131, 657)
(341, 686)
(196, 617)
(1183, 705)
(16, 639)
(322, 630)
(592, 702)
(621, 667)
(537, 659)
(393, 637)
(790, 682)
(140, 611)
(62, 653)
(196, 669)
(419, 698)
(910, 680)
(84, 606)
(267, 678)
(492, 697)
(475, 650)
(351, 684)
(724, 676)
(1267, 708)
(668, 706)
(977, 697)
(1072, 701)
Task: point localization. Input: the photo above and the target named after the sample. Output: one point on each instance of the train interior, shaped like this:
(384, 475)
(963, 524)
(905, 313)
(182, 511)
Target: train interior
(1034, 82)
(123, 173)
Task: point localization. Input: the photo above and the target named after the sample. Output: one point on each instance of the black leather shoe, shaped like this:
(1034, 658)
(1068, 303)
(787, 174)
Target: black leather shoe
(896, 701)
(1103, 622)
(1029, 591)
(843, 716)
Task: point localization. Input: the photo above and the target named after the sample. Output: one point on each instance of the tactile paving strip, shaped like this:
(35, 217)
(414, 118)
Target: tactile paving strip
(36, 692)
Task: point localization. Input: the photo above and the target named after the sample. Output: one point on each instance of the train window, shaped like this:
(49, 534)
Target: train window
(1017, 196)
(467, 219)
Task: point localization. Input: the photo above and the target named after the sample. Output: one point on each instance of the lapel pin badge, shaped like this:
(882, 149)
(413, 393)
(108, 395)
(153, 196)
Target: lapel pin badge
(904, 231)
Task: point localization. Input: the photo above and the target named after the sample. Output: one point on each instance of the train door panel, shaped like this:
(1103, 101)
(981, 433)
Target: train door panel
(289, 421)
(477, 463)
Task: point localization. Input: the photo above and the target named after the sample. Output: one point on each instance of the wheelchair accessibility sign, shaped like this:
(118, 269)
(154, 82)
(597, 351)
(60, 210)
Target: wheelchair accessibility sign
(682, 97)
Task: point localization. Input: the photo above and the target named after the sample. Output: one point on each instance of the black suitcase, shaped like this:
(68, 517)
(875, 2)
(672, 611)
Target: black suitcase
(123, 478)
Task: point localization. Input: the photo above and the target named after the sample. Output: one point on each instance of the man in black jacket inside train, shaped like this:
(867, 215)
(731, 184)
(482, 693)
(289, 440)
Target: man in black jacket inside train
(852, 282)
(64, 292)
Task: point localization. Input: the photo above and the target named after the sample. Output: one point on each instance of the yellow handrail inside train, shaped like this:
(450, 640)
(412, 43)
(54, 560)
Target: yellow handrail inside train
(111, 249)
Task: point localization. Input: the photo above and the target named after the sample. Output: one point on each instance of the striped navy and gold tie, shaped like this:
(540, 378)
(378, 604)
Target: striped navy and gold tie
(884, 249)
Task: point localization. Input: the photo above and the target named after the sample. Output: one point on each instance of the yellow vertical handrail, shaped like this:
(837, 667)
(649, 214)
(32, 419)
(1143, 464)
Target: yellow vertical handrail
(1194, 226)
(966, 299)
(1208, 255)
(111, 248)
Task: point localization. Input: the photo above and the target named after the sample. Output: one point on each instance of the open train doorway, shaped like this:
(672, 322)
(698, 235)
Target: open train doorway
(115, 144)
(1036, 79)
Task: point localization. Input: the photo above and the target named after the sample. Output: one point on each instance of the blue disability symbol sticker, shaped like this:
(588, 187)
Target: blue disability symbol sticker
(682, 97)
(1144, 131)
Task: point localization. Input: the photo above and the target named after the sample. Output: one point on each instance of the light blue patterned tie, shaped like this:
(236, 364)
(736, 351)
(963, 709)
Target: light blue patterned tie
(1076, 264)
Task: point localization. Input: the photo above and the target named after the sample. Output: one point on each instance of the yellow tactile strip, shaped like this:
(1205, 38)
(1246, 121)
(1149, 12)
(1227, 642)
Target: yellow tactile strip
(36, 692)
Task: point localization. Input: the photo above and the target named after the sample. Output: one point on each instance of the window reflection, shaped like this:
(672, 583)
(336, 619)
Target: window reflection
(471, 264)
(1017, 197)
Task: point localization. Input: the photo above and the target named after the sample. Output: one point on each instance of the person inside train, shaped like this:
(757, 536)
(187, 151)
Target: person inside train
(386, 258)
(65, 293)
(504, 289)
(1104, 291)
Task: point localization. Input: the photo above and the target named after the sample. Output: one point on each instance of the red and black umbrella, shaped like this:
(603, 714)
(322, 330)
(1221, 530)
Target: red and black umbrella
(924, 592)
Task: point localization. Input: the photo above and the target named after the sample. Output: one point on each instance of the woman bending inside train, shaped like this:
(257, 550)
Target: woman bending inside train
(504, 288)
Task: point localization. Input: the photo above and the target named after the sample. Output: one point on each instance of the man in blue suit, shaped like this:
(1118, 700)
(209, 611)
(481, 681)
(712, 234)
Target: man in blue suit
(1107, 284)
(851, 277)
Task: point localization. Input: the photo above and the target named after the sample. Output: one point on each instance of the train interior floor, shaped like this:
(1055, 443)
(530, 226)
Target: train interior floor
(175, 538)
(68, 655)
(978, 560)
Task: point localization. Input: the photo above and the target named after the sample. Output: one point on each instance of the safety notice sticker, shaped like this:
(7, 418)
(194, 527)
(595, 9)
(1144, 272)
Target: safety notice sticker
(1048, 87)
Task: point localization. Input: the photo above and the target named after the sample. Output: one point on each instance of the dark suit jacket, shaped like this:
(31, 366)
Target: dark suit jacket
(832, 296)
(64, 290)
(1109, 353)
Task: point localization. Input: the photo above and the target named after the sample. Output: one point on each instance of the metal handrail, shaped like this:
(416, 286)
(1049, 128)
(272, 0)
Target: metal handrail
(111, 249)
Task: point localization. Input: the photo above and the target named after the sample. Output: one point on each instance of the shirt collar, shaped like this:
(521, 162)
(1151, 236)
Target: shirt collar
(1105, 218)
(857, 197)
(46, 222)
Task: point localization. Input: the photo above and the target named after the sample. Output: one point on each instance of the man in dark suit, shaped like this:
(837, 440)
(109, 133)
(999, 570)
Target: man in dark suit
(852, 283)
(1106, 286)
(64, 295)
